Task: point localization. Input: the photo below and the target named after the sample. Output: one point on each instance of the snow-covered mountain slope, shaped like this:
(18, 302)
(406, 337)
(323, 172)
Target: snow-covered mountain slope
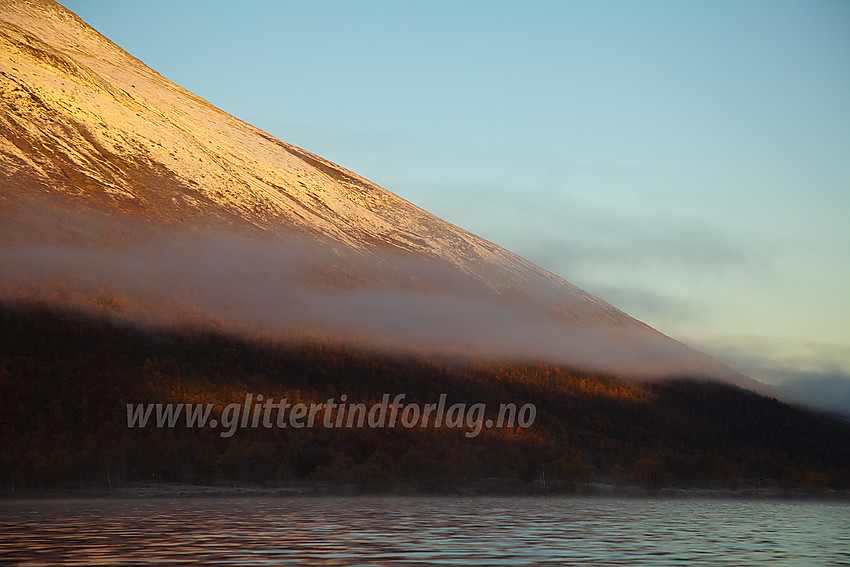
(82, 116)
(85, 125)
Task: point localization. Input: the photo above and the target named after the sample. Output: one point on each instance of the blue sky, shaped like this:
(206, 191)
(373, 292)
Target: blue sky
(687, 161)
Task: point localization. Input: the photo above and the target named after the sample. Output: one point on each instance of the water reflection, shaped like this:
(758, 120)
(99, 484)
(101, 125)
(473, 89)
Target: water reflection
(423, 531)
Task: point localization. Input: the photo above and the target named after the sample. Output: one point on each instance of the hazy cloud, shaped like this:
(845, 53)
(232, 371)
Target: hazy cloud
(813, 373)
(299, 287)
(830, 392)
(645, 303)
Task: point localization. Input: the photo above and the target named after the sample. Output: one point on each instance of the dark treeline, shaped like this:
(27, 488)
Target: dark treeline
(66, 378)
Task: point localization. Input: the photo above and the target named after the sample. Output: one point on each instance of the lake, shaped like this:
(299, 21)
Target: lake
(423, 531)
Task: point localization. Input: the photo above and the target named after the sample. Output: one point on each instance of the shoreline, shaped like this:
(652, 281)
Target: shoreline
(483, 488)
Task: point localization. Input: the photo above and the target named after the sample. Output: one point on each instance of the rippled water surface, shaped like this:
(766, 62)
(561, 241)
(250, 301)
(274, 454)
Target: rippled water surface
(423, 531)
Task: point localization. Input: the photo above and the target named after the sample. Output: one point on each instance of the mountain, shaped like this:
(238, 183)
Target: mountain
(155, 250)
(102, 159)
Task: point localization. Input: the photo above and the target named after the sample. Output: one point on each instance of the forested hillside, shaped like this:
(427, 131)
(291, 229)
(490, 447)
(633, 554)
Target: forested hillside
(66, 380)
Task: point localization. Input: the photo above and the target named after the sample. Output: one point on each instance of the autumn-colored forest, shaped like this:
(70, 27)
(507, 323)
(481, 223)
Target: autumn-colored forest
(66, 378)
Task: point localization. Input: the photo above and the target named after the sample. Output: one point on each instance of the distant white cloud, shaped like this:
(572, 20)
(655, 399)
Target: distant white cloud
(807, 372)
